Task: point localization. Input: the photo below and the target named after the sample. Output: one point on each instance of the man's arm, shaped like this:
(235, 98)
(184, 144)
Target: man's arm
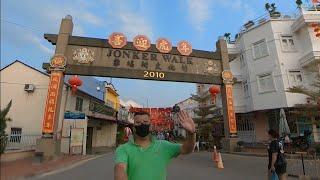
(188, 145)
(273, 161)
(120, 171)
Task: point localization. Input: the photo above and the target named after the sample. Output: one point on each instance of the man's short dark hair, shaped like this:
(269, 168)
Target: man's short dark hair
(273, 133)
(139, 113)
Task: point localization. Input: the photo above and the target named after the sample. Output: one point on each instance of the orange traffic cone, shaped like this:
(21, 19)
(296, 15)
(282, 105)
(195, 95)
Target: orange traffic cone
(215, 154)
(219, 163)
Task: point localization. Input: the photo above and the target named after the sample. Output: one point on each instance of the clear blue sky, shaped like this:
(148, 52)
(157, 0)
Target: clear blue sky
(200, 22)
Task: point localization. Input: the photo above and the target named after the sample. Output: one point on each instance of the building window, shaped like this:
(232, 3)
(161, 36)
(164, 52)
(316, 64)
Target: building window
(242, 62)
(260, 49)
(15, 135)
(79, 103)
(246, 89)
(244, 123)
(266, 83)
(287, 43)
(295, 78)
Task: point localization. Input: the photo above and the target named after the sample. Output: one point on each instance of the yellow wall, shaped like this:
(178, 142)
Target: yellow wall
(112, 96)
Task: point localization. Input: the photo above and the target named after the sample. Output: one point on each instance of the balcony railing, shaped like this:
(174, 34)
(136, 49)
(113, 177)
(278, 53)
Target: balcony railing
(102, 109)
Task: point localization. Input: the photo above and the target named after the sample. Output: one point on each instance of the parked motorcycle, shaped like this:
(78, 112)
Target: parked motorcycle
(302, 142)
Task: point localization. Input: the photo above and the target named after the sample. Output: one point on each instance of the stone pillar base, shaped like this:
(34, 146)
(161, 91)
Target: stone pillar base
(49, 147)
(229, 144)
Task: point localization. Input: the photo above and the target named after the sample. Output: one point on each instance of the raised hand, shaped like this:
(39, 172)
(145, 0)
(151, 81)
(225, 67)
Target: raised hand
(186, 121)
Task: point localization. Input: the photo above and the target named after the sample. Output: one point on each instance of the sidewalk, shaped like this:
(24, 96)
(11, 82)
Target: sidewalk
(27, 168)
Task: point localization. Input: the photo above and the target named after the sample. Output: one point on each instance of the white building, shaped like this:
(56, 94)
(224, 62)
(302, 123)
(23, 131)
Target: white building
(28, 105)
(273, 56)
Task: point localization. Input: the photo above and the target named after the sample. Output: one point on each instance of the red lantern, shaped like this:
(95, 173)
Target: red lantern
(318, 35)
(317, 29)
(75, 82)
(214, 90)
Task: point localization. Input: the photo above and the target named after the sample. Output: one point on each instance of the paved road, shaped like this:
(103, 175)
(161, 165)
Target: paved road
(197, 166)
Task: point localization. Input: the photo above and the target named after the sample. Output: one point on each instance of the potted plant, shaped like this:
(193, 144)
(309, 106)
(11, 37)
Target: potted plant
(3, 126)
(248, 24)
(227, 37)
(299, 3)
(272, 9)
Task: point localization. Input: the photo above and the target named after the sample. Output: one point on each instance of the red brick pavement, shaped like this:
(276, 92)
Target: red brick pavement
(26, 168)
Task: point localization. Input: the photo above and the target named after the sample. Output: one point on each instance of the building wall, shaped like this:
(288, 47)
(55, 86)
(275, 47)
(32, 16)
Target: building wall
(257, 66)
(27, 108)
(261, 126)
(113, 97)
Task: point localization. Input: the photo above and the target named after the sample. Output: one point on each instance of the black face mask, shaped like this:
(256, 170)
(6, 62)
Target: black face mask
(142, 130)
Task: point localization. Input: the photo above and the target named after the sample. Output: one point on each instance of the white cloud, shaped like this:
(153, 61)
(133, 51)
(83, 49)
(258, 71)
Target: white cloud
(199, 13)
(37, 42)
(133, 25)
(131, 21)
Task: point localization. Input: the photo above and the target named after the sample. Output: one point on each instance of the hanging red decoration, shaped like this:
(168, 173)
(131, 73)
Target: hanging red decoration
(75, 82)
(214, 90)
(313, 25)
(318, 35)
(317, 29)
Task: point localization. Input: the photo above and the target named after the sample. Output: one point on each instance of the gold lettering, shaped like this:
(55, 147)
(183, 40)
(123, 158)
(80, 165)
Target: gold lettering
(118, 40)
(185, 47)
(51, 101)
(50, 109)
(54, 86)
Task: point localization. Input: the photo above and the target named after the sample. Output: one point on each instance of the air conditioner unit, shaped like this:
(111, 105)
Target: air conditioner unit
(29, 87)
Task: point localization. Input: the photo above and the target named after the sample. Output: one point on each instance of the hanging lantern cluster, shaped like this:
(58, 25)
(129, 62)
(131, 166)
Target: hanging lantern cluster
(75, 82)
(316, 29)
(214, 90)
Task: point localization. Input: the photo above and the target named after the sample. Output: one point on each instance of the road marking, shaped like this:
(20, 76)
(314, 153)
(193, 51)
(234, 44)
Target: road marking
(63, 169)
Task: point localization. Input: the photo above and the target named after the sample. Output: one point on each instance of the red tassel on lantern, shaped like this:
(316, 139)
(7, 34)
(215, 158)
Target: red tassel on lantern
(75, 82)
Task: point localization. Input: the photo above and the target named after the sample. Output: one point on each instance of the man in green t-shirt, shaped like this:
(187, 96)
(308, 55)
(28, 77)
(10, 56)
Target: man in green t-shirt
(144, 157)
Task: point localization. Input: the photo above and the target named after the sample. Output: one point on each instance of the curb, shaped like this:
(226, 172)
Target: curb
(62, 168)
(245, 154)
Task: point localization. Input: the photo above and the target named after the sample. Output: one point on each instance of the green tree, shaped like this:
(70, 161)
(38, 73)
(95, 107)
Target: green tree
(3, 125)
(312, 108)
(204, 121)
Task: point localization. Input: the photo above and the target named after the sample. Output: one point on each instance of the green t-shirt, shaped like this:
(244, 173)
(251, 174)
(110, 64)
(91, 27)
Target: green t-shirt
(147, 163)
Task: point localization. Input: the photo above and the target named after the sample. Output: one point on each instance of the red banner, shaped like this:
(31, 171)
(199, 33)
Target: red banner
(230, 108)
(160, 117)
(51, 104)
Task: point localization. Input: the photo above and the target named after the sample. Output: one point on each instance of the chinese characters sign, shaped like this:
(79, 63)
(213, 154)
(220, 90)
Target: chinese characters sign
(141, 42)
(143, 64)
(163, 45)
(230, 108)
(117, 40)
(51, 104)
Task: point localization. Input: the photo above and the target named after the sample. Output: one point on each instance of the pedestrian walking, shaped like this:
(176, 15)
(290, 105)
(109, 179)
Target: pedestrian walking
(196, 145)
(277, 161)
(144, 157)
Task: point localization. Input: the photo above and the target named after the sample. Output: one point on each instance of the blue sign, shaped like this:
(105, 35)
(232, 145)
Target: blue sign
(74, 115)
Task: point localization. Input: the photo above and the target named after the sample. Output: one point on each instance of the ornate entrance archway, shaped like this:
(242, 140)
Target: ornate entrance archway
(140, 59)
